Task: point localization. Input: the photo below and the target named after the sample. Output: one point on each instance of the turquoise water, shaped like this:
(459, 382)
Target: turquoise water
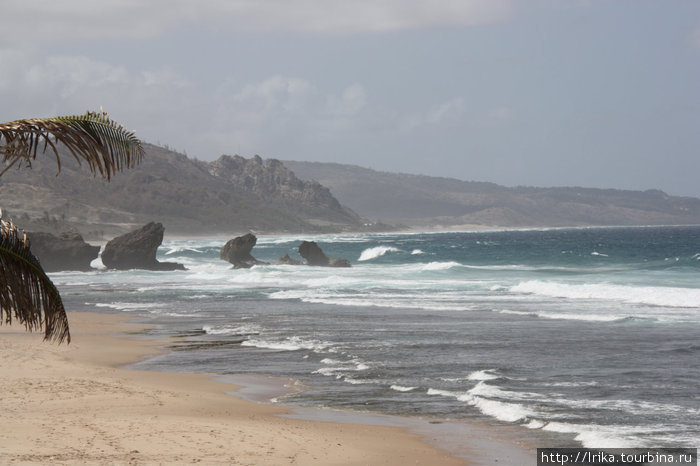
(585, 336)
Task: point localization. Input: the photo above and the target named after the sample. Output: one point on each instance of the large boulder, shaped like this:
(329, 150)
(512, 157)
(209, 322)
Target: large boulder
(314, 255)
(237, 252)
(137, 250)
(67, 251)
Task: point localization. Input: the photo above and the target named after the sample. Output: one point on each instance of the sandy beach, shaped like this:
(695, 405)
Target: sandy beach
(72, 404)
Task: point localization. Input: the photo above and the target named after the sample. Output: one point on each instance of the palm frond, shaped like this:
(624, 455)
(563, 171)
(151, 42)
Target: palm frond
(26, 292)
(106, 146)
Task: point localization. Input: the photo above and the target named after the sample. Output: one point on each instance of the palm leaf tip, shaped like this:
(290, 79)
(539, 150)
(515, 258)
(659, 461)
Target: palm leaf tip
(106, 146)
(26, 292)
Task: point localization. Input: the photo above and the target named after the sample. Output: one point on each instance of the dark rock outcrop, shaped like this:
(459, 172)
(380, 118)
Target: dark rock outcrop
(137, 250)
(314, 255)
(67, 251)
(237, 252)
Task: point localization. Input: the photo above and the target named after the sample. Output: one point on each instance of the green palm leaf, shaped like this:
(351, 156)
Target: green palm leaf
(106, 146)
(25, 291)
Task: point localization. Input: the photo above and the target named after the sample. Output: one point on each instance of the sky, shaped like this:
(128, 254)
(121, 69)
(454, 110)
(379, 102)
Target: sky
(593, 93)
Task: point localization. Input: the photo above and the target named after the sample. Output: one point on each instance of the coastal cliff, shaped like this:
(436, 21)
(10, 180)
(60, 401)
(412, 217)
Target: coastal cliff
(187, 195)
(271, 181)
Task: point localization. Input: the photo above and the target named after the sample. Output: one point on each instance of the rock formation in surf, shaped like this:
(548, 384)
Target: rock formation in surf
(237, 252)
(67, 251)
(314, 255)
(137, 250)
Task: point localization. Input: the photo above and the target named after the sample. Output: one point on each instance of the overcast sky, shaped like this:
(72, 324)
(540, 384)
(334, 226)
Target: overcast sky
(598, 93)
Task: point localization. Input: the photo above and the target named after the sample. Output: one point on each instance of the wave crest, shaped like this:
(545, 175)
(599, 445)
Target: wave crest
(377, 251)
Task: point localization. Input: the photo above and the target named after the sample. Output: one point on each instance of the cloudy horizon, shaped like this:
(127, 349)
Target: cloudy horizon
(542, 93)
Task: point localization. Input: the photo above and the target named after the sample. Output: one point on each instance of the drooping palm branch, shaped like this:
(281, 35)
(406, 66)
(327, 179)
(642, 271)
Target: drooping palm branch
(106, 146)
(26, 292)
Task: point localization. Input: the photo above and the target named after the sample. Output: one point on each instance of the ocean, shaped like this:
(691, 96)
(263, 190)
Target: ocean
(576, 337)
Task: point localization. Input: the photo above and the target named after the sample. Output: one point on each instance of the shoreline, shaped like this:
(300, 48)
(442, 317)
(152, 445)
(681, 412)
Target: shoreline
(476, 443)
(76, 403)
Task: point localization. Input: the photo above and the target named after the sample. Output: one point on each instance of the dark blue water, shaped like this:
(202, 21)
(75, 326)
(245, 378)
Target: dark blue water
(590, 335)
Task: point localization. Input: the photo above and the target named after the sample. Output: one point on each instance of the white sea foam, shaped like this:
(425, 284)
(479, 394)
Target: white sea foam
(338, 369)
(482, 375)
(565, 316)
(486, 374)
(387, 300)
(288, 344)
(534, 424)
(251, 329)
(600, 254)
(177, 249)
(485, 390)
(97, 264)
(591, 383)
(417, 252)
(130, 307)
(454, 379)
(501, 410)
(440, 265)
(635, 407)
(651, 295)
(596, 436)
(501, 404)
(401, 388)
(439, 392)
(378, 251)
(352, 381)
(330, 361)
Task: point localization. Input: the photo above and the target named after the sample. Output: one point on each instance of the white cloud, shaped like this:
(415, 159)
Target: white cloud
(27, 21)
(38, 86)
(277, 115)
(274, 94)
(65, 76)
(282, 107)
(352, 100)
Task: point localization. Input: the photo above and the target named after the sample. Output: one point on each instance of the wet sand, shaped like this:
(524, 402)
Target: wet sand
(72, 404)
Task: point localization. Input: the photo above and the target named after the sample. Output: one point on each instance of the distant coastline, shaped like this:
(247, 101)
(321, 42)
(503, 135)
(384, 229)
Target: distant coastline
(234, 195)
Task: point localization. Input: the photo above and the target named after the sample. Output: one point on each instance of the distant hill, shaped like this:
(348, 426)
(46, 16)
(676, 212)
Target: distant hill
(233, 195)
(433, 201)
(188, 196)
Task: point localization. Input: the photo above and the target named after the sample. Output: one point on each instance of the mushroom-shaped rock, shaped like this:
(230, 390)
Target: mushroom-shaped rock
(137, 250)
(314, 255)
(237, 252)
